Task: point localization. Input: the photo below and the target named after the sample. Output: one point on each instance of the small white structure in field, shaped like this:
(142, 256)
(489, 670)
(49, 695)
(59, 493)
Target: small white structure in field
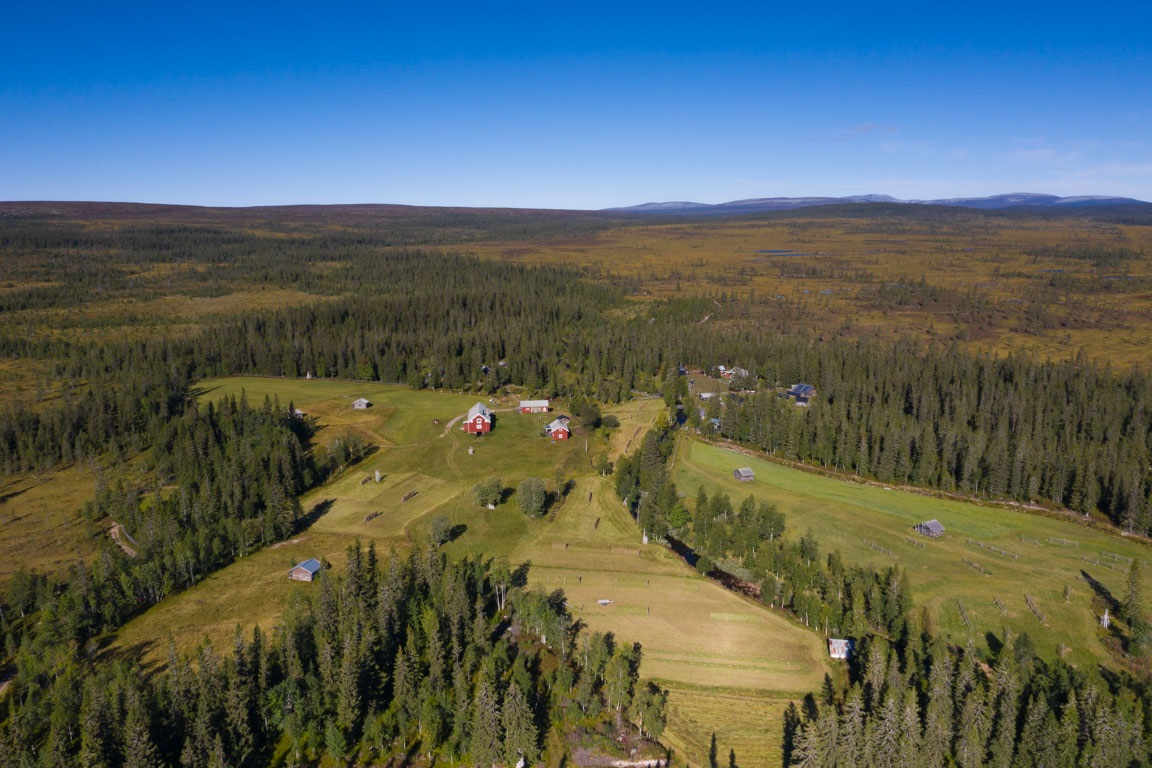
(361, 404)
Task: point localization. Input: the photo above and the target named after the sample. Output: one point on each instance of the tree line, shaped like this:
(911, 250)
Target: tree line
(910, 699)
(1067, 433)
(415, 658)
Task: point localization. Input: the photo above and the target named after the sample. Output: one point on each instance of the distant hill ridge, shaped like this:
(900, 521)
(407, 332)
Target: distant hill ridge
(1013, 200)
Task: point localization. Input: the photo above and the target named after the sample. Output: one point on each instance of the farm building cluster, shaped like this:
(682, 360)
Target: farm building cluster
(480, 419)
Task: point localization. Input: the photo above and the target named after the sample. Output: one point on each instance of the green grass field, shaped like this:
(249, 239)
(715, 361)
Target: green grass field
(720, 655)
(41, 520)
(871, 524)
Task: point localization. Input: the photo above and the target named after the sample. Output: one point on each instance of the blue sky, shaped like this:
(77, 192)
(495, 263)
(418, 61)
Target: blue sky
(585, 105)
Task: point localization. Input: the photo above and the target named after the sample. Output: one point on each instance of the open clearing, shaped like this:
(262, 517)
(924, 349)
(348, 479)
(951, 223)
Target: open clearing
(719, 654)
(870, 524)
(42, 525)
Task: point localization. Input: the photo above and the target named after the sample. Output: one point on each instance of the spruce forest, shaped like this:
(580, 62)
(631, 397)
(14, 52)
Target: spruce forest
(111, 317)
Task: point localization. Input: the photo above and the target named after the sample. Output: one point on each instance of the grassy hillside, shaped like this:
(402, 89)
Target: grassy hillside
(987, 554)
(719, 654)
(41, 520)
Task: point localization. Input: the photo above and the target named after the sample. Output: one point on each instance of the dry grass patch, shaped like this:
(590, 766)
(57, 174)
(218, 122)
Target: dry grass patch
(745, 722)
(962, 277)
(42, 527)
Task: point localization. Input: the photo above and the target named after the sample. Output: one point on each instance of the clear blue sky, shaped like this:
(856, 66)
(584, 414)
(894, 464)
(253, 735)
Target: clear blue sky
(571, 105)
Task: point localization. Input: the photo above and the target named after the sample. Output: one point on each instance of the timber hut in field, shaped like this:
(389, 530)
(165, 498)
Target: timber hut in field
(744, 474)
(533, 406)
(479, 420)
(931, 528)
(558, 430)
(362, 404)
(839, 649)
(305, 571)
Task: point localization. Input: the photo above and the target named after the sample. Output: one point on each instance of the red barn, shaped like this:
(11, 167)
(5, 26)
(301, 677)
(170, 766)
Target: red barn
(559, 430)
(479, 420)
(533, 406)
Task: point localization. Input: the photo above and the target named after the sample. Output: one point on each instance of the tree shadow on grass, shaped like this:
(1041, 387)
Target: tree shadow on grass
(319, 509)
(456, 532)
(1101, 591)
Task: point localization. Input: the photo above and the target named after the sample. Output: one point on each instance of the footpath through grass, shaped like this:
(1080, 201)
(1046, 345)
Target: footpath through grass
(973, 580)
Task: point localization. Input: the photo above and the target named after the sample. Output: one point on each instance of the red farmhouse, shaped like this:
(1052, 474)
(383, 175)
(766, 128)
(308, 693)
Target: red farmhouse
(533, 406)
(479, 420)
(559, 430)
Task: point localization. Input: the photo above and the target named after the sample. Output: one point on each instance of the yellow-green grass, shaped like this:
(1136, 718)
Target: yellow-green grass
(414, 454)
(635, 417)
(591, 549)
(131, 317)
(27, 384)
(253, 591)
(870, 524)
(720, 654)
(42, 527)
(747, 722)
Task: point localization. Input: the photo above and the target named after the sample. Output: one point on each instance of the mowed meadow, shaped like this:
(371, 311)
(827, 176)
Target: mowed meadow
(976, 579)
(992, 282)
(731, 665)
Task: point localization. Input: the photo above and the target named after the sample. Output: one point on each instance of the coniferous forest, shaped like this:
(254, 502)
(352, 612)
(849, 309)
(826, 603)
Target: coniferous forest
(420, 658)
(909, 698)
(415, 658)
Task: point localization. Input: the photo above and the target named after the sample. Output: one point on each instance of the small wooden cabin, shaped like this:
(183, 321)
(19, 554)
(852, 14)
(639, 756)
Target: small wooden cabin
(930, 528)
(744, 474)
(533, 406)
(361, 404)
(305, 571)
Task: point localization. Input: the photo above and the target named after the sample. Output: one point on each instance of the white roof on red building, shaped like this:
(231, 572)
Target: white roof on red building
(480, 410)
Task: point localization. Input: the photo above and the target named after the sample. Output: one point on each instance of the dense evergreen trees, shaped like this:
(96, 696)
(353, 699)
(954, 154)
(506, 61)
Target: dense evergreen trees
(1067, 434)
(910, 700)
(1063, 433)
(918, 702)
(405, 658)
(415, 660)
(237, 472)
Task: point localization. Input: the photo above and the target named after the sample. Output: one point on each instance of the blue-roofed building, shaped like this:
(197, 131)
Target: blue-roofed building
(801, 393)
(305, 571)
